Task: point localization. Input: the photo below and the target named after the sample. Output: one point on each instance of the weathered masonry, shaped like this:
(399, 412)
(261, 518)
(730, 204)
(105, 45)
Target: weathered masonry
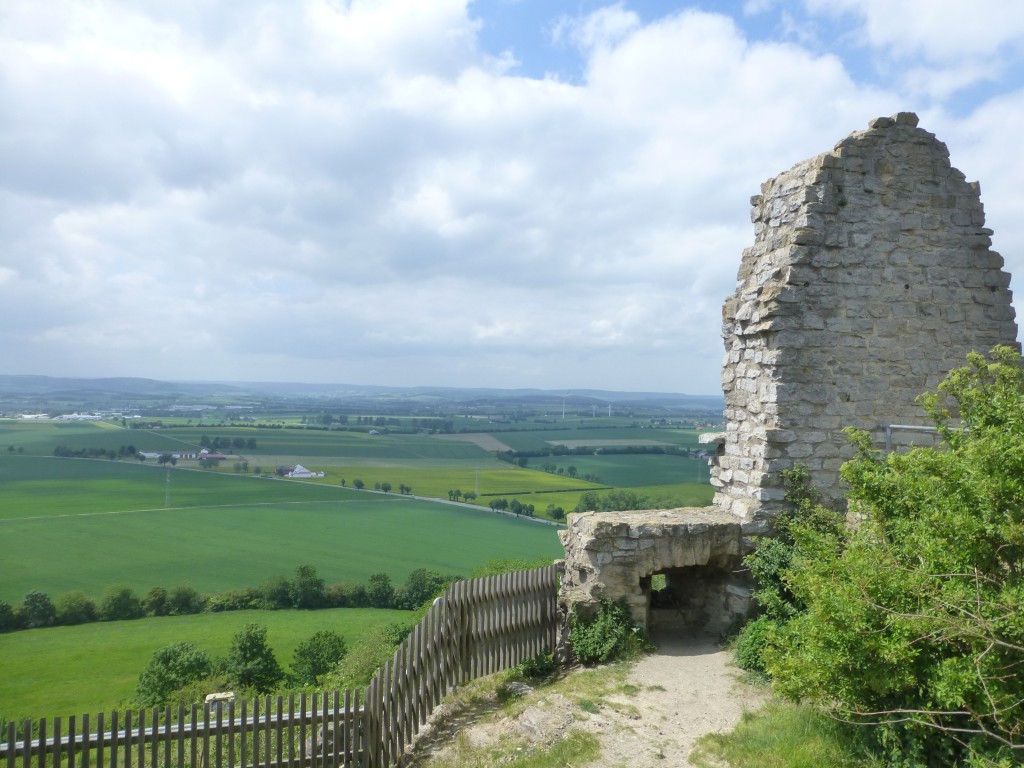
(871, 277)
(699, 551)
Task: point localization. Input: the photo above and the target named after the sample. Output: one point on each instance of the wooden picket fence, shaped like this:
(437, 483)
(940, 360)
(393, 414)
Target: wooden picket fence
(474, 629)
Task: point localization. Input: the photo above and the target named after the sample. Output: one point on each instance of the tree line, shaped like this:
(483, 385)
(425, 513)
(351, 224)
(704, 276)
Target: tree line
(185, 672)
(303, 590)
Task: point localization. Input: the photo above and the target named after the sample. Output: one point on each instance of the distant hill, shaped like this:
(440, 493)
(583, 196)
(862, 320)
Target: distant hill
(105, 391)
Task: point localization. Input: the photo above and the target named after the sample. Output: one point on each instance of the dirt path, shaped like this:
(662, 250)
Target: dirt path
(670, 698)
(687, 689)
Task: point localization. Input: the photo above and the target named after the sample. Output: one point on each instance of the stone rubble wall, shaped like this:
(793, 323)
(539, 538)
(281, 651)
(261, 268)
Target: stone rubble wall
(612, 555)
(871, 277)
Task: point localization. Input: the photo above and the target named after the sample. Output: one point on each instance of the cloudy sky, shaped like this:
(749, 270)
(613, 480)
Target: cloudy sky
(509, 193)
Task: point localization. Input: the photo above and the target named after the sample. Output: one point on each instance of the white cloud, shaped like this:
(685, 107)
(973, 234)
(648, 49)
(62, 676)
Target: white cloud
(355, 191)
(939, 30)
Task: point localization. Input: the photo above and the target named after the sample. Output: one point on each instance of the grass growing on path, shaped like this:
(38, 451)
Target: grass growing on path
(783, 736)
(95, 667)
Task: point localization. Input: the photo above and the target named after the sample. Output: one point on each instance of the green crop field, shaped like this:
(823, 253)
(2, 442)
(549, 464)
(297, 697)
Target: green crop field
(94, 667)
(533, 440)
(632, 470)
(43, 486)
(220, 548)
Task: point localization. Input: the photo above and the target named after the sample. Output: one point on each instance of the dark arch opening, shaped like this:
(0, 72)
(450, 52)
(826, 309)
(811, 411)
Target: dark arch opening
(695, 600)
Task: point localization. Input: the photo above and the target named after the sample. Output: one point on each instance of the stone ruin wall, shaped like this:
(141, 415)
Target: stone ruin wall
(613, 555)
(871, 277)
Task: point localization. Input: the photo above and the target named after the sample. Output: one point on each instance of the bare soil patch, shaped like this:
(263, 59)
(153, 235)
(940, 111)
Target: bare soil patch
(485, 441)
(605, 443)
(669, 699)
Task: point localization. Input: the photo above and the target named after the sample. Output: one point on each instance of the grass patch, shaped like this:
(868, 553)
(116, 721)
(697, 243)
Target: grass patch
(589, 705)
(783, 736)
(94, 667)
(221, 548)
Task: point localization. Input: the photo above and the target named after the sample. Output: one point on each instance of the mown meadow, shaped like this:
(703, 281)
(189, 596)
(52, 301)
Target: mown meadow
(95, 667)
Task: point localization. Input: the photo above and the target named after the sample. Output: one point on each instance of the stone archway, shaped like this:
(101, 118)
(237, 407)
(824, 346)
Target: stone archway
(613, 555)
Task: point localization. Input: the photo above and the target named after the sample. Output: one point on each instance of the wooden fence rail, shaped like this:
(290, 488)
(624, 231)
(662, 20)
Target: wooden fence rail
(474, 629)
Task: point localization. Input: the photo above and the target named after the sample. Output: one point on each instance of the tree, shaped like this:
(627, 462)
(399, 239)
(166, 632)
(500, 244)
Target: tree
(572, 471)
(386, 487)
(380, 591)
(8, 618)
(306, 590)
(184, 600)
(38, 610)
(171, 668)
(119, 603)
(358, 484)
(915, 622)
(421, 586)
(316, 656)
(251, 663)
(469, 496)
(555, 513)
(75, 608)
(156, 602)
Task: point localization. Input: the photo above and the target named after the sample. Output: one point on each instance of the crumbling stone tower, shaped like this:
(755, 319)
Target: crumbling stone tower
(871, 276)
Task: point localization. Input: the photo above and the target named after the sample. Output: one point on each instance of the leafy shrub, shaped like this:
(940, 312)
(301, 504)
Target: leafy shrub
(306, 590)
(37, 610)
(171, 668)
(276, 594)
(184, 600)
(119, 603)
(75, 608)
(251, 663)
(155, 602)
(422, 586)
(751, 642)
(915, 622)
(380, 591)
(538, 667)
(607, 636)
(8, 618)
(365, 657)
(315, 657)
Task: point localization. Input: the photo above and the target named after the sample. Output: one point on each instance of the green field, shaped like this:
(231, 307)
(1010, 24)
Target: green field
(94, 667)
(94, 523)
(226, 544)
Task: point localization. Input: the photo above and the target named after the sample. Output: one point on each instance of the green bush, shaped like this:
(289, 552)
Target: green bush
(751, 642)
(914, 623)
(119, 603)
(380, 591)
(607, 636)
(184, 600)
(155, 602)
(8, 619)
(75, 608)
(538, 667)
(365, 657)
(306, 590)
(37, 610)
(250, 663)
(316, 656)
(171, 668)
